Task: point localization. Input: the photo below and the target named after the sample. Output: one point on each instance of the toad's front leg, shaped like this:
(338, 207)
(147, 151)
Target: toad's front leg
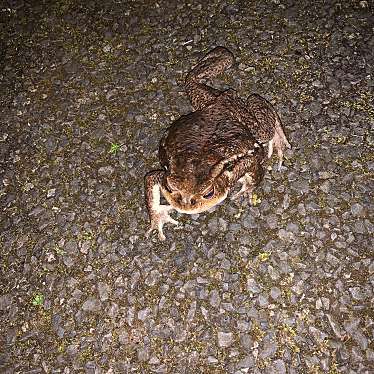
(247, 187)
(158, 214)
(254, 173)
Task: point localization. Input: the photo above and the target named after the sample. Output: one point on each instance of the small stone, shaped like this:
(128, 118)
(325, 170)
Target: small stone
(286, 201)
(370, 355)
(140, 118)
(214, 298)
(85, 246)
(28, 186)
(292, 227)
(243, 325)
(361, 339)
(335, 326)
(103, 289)
(213, 225)
(279, 367)
(212, 360)
(263, 301)
(317, 83)
(252, 286)
(225, 339)
(301, 209)
(91, 305)
(357, 210)
(269, 349)
(5, 301)
(246, 341)
(275, 292)
(111, 93)
(326, 174)
(351, 325)
(113, 310)
(144, 313)
(246, 362)
(326, 303)
(204, 312)
(154, 360)
(356, 293)
(325, 186)
(223, 224)
(319, 303)
(105, 171)
(68, 261)
(359, 227)
(272, 221)
(107, 48)
(273, 273)
(51, 193)
(123, 337)
(72, 349)
(77, 294)
(191, 312)
(71, 247)
(285, 235)
(153, 278)
(143, 354)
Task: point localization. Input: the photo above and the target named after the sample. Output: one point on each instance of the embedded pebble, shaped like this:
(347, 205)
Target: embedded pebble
(105, 171)
(252, 286)
(275, 292)
(103, 289)
(91, 305)
(51, 193)
(225, 339)
(357, 210)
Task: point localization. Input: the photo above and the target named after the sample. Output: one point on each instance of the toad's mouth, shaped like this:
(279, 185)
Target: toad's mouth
(200, 206)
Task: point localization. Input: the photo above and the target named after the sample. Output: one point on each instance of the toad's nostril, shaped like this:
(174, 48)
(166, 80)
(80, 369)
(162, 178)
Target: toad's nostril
(193, 201)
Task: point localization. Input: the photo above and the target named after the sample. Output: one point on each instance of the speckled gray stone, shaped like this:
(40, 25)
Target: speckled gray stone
(252, 286)
(91, 305)
(103, 289)
(275, 292)
(225, 339)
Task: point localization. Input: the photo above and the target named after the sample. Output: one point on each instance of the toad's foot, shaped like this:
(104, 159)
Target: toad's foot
(246, 189)
(279, 142)
(158, 213)
(159, 217)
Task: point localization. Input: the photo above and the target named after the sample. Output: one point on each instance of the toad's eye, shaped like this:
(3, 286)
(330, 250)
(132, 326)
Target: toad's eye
(209, 194)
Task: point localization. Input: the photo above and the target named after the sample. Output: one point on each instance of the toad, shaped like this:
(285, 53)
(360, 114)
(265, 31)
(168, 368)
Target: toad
(205, 153)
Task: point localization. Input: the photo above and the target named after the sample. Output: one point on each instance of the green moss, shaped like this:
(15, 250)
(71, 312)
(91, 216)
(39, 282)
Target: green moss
(256, 331)
(38, 299)
(86, 355)
(264, 256)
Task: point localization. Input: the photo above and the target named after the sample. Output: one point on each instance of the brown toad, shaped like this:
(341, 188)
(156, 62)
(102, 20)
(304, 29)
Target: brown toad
(205, 153)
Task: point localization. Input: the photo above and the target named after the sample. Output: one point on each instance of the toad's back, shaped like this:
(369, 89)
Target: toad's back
(204, 137)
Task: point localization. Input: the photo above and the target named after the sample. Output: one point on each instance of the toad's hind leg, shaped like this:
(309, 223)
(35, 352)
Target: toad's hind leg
(213, 64)
(270, 124)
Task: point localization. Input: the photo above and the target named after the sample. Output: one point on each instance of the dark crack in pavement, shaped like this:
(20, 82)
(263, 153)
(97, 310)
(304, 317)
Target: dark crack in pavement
(285, 286)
